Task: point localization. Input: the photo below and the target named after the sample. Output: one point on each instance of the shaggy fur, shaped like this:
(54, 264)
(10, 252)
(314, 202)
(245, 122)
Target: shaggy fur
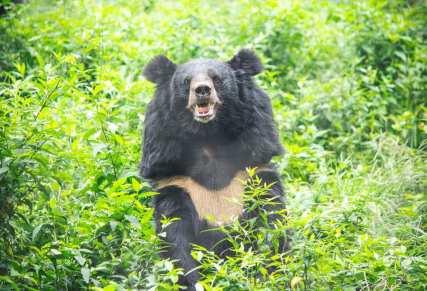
(241, 135)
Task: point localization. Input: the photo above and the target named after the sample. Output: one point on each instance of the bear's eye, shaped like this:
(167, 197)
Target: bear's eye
(216, 80)
(187, 81)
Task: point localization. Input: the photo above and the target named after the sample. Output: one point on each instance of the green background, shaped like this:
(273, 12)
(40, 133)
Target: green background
(347, 81)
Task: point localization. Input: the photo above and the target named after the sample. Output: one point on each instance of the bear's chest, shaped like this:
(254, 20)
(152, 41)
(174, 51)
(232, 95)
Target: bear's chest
(218, 206)
(211, 166)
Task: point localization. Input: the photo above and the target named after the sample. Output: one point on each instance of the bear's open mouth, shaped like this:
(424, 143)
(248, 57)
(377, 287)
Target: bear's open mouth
(204, 112)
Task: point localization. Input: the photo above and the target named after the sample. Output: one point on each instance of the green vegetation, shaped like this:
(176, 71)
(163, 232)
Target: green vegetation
(348, 84)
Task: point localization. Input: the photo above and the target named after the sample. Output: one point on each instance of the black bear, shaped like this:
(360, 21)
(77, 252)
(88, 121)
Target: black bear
(207, 123)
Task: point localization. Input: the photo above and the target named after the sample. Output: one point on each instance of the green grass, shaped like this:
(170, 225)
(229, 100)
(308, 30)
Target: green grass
(348, 85)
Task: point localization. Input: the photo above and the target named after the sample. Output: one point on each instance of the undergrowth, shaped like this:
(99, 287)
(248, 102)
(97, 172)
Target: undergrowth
(348, 84)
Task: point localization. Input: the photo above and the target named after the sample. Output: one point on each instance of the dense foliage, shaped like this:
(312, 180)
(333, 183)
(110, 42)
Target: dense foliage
(348, 84)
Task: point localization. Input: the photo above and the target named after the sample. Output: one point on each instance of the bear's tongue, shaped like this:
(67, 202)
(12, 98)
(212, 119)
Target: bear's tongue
(202, 110)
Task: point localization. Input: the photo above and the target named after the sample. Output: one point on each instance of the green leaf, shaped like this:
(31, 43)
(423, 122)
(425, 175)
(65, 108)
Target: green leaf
(85, 273)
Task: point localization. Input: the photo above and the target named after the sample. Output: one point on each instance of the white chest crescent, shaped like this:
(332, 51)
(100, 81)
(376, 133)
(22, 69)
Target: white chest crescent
(218, 207)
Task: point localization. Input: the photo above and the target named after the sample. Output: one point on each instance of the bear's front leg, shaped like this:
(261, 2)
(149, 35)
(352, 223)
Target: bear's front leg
(174, 202)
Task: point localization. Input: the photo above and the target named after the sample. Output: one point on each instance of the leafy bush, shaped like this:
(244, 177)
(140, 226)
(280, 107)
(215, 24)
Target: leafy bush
(348, 86)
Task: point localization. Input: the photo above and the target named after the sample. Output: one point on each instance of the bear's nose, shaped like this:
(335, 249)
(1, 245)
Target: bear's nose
(202, 90)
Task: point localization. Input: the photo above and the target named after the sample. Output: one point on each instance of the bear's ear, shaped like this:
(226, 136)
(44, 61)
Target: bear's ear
(247, 61)
(160, 69)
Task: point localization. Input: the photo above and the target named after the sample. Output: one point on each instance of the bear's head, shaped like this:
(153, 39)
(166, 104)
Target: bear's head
(202, 90)
(207, 103)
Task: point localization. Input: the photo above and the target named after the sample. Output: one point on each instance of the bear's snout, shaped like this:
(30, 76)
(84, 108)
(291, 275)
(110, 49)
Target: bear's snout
(203, 99)
(202, 91)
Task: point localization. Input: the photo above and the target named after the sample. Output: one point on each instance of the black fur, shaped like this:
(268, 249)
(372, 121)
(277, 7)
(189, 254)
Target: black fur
(241, 135)
(159, 70)
(247, 61)
(173, 202)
